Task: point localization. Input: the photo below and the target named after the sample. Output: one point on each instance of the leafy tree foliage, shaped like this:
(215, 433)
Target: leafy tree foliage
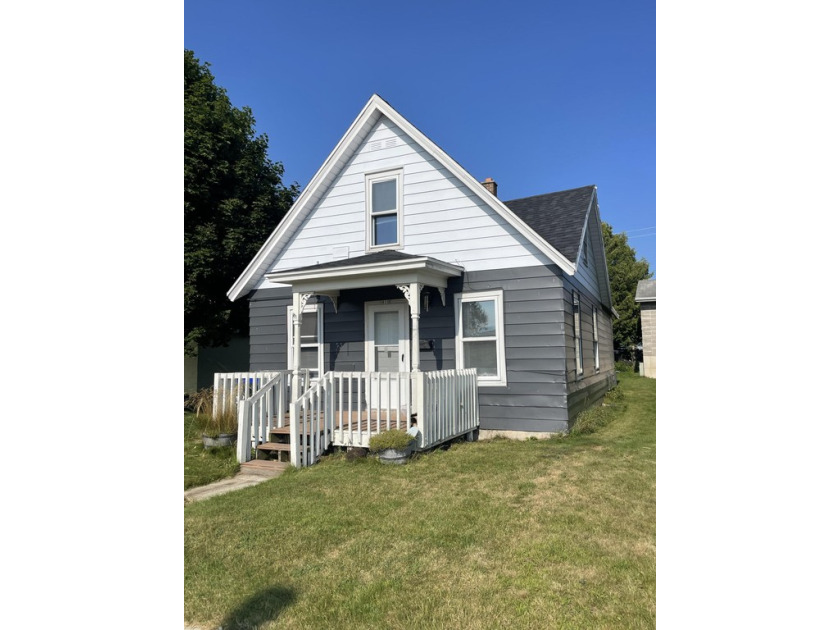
(233, 198)
(625, 272)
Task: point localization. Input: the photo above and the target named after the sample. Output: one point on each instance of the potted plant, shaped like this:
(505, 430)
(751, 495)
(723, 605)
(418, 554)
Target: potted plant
(216, 430)
(393, 446)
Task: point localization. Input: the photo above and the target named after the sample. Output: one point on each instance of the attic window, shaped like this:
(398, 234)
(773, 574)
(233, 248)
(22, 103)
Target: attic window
(586, 252)
(384, 210)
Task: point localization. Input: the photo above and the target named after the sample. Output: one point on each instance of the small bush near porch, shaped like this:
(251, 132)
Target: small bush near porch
(498, 534)
(204, 466)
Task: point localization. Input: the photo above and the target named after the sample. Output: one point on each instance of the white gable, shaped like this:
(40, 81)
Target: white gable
(442, 217)
(440, 201)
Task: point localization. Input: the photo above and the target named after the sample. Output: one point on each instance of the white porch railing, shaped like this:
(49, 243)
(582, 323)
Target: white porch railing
(310, 426)
(449, 405)
(231, 387)
(263, 411)
(347, 408)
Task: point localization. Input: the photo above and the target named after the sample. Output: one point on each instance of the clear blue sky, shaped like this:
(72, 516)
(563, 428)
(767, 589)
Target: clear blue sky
(541, 96)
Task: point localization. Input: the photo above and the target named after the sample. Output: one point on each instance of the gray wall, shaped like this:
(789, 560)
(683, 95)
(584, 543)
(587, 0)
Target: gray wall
(543, 391)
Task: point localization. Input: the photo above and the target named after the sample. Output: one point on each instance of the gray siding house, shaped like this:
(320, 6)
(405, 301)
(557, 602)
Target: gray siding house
(394, 259)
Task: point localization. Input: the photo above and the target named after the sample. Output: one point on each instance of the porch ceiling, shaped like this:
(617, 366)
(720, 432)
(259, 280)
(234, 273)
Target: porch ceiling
(372, 270)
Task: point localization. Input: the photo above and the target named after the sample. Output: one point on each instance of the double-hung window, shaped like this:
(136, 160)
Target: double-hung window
(578, 338)
(311, 339)
(480, 335)
(383, 195)
(595, 337)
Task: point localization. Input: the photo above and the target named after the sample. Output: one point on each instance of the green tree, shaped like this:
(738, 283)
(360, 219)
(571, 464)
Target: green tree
(233, 198)
(625, 272)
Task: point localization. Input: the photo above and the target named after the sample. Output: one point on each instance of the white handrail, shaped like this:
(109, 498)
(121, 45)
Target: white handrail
(262, 412)
(231, 387)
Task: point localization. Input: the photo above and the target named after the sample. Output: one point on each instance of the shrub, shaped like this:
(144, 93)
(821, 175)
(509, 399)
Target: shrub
(201, 402)
(591, 420)
(615, 395)
(394, 438)
(624, 366)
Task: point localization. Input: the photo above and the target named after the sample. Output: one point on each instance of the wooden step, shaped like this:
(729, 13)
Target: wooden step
(274, 447)
(263, 465)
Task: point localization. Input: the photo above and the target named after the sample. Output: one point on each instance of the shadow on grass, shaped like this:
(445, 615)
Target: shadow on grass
(261, 608)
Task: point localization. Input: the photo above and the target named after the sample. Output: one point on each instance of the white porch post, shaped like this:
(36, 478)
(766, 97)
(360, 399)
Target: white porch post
(299, 301)
(412, 295)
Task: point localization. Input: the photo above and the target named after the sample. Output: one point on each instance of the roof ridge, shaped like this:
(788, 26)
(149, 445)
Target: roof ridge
(556, 192)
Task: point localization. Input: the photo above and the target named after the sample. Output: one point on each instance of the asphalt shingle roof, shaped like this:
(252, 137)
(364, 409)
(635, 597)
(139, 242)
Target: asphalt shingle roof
(558, 217)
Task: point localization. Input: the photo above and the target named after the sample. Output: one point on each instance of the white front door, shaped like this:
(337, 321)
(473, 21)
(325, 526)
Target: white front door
(386, 350)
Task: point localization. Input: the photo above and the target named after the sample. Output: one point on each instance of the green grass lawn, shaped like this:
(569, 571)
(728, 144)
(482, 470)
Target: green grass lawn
(204, 466)
(556, 533)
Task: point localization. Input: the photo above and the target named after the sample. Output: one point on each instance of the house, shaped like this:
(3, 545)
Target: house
(399, 286)
(199, 369)
(646, 296)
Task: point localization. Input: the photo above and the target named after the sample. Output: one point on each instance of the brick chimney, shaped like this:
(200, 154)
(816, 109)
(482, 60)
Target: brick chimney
(490, 185)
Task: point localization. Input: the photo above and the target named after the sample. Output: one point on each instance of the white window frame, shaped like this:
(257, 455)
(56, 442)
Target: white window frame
(290, 328)
(578, 337)
(370, 180)
(500, 380)
(595, 338)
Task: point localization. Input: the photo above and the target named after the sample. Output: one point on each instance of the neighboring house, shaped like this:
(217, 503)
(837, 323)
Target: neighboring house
(199, 370)
(646, 296)
(397, 260)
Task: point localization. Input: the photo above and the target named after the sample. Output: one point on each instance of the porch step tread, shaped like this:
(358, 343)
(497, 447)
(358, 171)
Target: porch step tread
(274, 446)
(263, 465)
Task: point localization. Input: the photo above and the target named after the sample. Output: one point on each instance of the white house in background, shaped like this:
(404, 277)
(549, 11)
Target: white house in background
(396, 261)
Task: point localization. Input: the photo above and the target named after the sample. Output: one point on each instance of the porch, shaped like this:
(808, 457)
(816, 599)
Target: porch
(344, 409)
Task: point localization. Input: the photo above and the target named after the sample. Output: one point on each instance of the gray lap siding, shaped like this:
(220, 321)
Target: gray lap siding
(542, 393)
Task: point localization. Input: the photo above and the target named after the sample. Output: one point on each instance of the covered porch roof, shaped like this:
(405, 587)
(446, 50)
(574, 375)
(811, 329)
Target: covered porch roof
(409, 273)
(370, 270)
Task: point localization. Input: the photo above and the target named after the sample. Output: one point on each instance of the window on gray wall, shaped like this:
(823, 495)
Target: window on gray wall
(311, 339)
(595, 337)
(480, 335)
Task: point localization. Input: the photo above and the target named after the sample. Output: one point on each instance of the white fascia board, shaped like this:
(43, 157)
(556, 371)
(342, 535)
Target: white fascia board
(594, 205)
(370, 269)
(423, 270)
(270, 247)
(480, 191)
(585, 228)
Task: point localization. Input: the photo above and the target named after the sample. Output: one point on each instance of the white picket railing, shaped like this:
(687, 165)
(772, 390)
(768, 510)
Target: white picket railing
(449, 405)
(263, 411)
(310, 431)
(367, 403)
(231, 387)
(347, 408)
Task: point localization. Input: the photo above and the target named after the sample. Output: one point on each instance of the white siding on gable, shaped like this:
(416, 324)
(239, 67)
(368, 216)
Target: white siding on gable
(442, 217)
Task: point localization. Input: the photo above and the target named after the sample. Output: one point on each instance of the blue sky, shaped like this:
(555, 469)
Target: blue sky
(541, 96)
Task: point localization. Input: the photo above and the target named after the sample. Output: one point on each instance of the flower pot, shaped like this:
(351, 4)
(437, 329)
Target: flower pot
(394, 456)
(223, 439)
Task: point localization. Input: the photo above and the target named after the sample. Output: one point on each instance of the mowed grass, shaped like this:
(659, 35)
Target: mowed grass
(204, 466)
(554, 533)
